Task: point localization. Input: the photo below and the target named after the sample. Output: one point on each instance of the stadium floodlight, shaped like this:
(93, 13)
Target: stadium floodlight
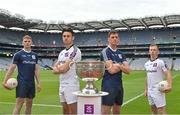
(90, 30)
(105, 29)
(1, 26)
(35, 30)
(16, 28)
(121, 29)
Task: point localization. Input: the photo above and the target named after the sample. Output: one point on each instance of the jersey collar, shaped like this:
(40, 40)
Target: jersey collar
(69, 47)
(154, 59)
(112, 49)
(26, 51)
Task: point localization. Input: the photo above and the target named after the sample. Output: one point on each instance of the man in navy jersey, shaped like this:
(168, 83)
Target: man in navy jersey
(112, 80)
(26, 62)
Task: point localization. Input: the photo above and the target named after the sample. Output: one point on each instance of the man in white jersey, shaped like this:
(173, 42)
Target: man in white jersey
(66, 68)
(156, 70)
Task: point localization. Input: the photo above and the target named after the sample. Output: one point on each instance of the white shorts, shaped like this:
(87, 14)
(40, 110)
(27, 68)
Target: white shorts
(156, 98)
(66, 94)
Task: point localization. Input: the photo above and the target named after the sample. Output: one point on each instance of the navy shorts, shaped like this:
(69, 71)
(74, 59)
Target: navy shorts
(115, 96)
(25, 90)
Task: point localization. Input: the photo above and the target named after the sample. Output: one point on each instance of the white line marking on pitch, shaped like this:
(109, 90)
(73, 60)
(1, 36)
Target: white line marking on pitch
(132, 99)
(43, 105)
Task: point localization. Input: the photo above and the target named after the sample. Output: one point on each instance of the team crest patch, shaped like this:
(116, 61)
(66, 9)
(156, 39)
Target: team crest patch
(33, 57)
(119, 55)
(155, 65)
(66, 54)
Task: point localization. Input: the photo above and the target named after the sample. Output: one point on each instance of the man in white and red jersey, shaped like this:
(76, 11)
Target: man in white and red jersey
(66, 68)
(156, 70)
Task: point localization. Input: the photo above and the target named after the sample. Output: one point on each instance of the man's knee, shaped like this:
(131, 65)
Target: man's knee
(161, 110)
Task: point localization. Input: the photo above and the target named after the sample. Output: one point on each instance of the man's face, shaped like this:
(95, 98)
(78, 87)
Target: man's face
(113, 39)
(153, 51)
(67, 38)
(27, 43)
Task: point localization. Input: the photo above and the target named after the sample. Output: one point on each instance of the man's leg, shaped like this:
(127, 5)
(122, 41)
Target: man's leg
(116, 109)
(65, 108)
(28, 106)
(161, 110)
(18, 106)
(154, 109)
(106, 110)
(72, 108)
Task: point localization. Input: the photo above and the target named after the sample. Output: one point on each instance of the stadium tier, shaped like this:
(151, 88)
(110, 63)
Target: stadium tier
(134, 44)
(135, 38)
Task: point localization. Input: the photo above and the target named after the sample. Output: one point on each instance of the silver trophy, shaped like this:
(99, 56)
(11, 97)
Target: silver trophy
(90, 71)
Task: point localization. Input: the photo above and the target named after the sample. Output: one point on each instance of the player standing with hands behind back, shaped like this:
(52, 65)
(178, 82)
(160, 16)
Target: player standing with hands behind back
(66, 68)
(156, 69)
(26, 62)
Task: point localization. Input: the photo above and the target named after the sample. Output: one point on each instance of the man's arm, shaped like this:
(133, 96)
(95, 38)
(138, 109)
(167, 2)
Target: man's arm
(37, 76)
(114, 68)
(124, 67)
(62, 68)
(145, 88)
(8, 75)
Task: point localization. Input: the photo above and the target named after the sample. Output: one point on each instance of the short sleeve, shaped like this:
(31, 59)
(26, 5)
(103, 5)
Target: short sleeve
(104, 55)
(37, 59)
(164, 66)
(77, 57)
(101, 57)
(15, 59)
(123, 58)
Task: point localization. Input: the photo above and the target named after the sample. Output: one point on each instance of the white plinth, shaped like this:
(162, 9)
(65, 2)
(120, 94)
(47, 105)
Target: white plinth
(89, 103)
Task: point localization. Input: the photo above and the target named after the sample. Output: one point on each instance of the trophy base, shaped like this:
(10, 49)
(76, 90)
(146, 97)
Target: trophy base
(90, 86)
(100, 93)
(89, 91)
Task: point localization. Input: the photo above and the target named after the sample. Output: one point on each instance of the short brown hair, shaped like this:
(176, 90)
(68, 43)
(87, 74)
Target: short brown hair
(112, 32)
(68, 30)
(154, 45)
(27, 36)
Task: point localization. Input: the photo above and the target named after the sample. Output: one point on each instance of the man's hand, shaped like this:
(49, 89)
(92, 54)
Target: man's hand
(108, 64)
(145, 93)
(6, 86)
(166, 89)
(38, 87)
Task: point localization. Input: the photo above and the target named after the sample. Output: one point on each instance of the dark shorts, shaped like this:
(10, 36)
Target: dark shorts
(115, 96)
(25, 90)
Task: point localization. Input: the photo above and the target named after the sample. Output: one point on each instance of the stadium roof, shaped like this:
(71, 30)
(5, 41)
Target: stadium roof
(8, 21)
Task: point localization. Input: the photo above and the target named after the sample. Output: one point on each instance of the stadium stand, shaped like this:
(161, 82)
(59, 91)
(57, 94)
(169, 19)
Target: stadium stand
(134, 40)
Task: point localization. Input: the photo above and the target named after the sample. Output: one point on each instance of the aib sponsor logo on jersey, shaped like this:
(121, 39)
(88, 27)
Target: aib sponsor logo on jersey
(66, 54)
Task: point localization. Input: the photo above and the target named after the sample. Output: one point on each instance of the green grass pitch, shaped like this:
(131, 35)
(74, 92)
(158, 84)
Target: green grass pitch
(47, 101)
